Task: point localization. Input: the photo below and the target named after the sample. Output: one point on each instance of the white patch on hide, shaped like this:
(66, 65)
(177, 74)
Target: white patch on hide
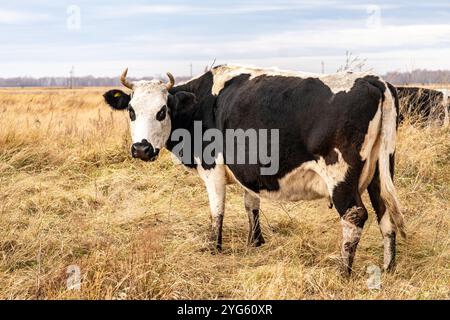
(312, 180)
(337, 82)
(370, 149)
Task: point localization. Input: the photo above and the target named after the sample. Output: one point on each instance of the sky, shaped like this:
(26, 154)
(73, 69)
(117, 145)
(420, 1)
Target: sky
(101, 38)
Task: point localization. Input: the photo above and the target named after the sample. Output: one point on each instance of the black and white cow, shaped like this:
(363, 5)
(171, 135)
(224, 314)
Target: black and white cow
(427, 104)
(337, 136)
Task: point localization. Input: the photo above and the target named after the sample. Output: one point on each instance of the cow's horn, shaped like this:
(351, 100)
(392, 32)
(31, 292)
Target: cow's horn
(171, 82)
(123, 80)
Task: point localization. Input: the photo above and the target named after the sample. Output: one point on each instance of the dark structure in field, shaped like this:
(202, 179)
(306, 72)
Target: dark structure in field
(427, 105)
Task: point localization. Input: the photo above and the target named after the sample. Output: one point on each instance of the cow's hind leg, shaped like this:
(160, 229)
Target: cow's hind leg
(252, 202)
(353, 216)
(384, 220)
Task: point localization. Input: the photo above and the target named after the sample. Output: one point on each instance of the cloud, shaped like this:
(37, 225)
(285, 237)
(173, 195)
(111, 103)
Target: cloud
(216, 9)
(235, 8)
(358, 38)
(401, 60)
(304, 42)
(152, 46)
(320, 41)
(20, 17)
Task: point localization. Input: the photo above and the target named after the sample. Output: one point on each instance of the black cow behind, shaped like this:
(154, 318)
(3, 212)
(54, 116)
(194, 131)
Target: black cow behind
(423, 105)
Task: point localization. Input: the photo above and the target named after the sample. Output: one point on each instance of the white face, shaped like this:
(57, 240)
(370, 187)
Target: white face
(151, 119)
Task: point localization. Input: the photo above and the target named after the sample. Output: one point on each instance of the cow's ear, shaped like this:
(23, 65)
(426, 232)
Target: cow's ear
(182, 102)
(117, 99)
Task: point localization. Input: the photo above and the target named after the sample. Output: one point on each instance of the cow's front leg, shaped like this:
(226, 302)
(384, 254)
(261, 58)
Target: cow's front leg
(251, 203)
(215, 182)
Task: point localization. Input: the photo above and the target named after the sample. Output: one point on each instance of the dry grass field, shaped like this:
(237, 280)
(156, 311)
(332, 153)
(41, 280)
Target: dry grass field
(71, 195)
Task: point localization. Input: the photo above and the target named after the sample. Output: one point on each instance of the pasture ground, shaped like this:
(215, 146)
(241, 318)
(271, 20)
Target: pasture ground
(70, 195)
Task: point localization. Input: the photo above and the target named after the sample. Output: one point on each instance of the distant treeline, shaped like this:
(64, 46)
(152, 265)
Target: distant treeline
(418, 76)
(87, 81)
(398, 78)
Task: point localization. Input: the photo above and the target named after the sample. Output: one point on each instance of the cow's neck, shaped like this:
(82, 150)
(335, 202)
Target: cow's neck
(203, 111)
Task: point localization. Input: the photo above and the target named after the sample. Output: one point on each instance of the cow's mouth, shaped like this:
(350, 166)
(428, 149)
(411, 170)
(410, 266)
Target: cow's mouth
(147, 159)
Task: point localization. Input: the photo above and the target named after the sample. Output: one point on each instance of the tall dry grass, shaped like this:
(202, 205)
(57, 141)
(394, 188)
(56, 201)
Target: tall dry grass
(71, 195)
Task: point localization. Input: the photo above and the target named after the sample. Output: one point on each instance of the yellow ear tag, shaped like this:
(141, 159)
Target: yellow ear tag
(117, 94)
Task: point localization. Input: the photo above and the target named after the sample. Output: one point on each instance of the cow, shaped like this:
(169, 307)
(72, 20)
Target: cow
(336, 139)
(426, 104)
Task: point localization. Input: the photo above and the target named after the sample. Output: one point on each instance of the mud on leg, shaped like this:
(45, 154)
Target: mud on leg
(252, 203)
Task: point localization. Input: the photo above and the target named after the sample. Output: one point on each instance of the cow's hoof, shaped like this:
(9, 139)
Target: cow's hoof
(390, 268)
(256, 242)
(215, 248)
(345, 271)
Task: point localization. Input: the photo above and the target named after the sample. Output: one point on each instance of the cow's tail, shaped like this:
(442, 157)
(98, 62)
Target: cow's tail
(388, 137)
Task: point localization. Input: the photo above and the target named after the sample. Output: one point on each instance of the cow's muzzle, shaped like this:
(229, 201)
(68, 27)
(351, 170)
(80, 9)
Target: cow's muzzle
(144, 150)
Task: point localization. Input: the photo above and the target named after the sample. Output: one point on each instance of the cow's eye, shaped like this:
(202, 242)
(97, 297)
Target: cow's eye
(161, 115)
(131, 112)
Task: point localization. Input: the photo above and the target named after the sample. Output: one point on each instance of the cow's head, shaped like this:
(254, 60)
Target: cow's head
(150, 107)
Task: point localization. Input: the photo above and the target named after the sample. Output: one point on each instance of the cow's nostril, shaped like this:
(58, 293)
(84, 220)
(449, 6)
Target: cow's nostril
(133, 151)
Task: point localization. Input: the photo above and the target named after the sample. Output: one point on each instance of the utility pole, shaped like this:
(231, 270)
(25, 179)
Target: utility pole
(72, 74)
(191, 69)
(323, 67)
